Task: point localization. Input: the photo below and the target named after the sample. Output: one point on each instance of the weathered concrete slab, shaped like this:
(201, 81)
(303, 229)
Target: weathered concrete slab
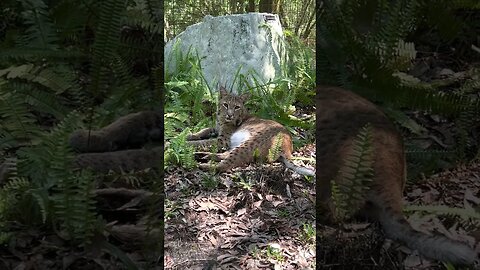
(250, 42)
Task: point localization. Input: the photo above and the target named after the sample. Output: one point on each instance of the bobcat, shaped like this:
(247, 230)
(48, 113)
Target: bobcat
(340, 116)
(244, 137)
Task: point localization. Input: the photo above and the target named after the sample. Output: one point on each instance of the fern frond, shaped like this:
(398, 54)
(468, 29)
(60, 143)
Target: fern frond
(467, 214)
(41, 197)
(52, 151)
(275, 151)
(465, 121)
(41, 32)
(355, 176)
(137, 17)
(394, 21)
(72, 198)
(17, 184)
(18, 124)
(180, 153)
(405, 121)
(106, 44)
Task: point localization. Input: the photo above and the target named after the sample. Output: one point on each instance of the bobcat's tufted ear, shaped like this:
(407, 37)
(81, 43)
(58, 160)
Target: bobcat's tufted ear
(245, 96)
(223, 91)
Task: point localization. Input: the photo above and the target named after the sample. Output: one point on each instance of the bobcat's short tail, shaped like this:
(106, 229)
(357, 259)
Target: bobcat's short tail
(434, 247)
(295, 168)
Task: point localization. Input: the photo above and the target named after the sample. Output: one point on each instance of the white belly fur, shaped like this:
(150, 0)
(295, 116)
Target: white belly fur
(238, 138)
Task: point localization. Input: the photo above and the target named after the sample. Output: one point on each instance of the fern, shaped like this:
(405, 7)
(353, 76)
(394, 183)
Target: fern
(275, 151)
(51, 54)
(406, 121)
(355, 177)
(361, 46)
(403, 56)
(469, 216)
(72, 201)
(18, 125)
(17, 203)
(467, 119)
(106, 44)
(393, 22)
(137, 17)
(179, 153)
(41, 32)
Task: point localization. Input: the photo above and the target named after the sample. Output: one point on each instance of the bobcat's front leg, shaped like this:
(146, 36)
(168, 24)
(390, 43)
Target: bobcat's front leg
(205, 133)
(209, 156)
(206, 145)
(203, 144)
(217, 157)
(228, 161)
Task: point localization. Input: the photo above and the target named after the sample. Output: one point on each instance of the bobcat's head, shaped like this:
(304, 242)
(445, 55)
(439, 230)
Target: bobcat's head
(231, 108)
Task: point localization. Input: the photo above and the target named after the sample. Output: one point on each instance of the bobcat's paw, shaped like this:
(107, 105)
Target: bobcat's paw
(206, 167)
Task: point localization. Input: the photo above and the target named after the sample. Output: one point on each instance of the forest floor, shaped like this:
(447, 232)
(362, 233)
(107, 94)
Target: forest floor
(260, 224)
(363, 246)
(258, 217)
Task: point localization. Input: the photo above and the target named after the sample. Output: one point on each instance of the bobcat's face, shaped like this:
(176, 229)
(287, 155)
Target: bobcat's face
(231, 108)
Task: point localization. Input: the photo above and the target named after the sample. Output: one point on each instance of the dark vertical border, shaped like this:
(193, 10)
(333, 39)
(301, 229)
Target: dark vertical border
(156, 205)
(318, 4)
(160, 17)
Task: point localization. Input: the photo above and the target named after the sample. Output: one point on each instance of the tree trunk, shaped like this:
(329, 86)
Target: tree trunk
(241, 6)
(233, 6)
(301, 18)
(309, 25)
(281, 15)
(265, 6)
(251, 6)
(277, 5)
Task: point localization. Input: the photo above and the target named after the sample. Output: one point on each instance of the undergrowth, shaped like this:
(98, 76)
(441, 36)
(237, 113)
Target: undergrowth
(369, 46)
(67, 65)
(191, 103)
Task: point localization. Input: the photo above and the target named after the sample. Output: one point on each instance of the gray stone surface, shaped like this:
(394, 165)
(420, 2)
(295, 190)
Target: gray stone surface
(252, 42)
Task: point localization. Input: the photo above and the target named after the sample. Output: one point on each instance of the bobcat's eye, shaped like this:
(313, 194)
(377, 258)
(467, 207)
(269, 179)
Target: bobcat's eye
(237, 108)
(225, 105)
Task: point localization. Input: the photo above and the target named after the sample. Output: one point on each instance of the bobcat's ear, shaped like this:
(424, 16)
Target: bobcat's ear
(223, 91)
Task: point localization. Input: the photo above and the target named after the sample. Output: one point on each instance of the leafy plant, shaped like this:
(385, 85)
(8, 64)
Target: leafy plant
(210, 182)
(275, 150)
(274, 253)
(367, 45)
(469, 216)
(68, 65)
(179, 153)
(308, 233)
(244, 183)
(191, 102)
(355, 176)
